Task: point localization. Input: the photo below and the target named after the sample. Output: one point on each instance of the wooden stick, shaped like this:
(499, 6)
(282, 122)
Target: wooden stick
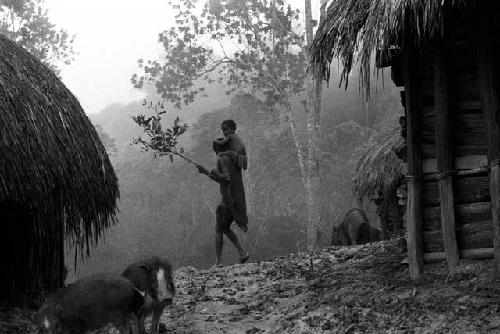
(445, 159)
(413, 209)
(488, 83)
(187, 159)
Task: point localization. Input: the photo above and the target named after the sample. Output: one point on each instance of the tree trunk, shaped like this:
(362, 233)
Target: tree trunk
(313, 163)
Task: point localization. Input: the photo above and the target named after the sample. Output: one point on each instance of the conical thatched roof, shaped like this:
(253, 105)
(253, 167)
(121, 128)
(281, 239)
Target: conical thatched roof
(52, 162)
(356, 28)
(379, 169)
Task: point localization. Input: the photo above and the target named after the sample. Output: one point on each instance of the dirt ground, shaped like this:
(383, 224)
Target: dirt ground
(357, 289)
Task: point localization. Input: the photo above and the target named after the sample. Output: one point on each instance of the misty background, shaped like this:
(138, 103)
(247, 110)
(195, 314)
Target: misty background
(167, 208)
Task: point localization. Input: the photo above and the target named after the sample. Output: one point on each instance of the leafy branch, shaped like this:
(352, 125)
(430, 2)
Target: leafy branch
(160, 141)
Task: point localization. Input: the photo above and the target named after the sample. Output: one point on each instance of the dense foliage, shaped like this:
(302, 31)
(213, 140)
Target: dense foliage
(27, 23)
(251, 45)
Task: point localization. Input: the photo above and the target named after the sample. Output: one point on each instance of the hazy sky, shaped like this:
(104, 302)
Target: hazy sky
(111, 35)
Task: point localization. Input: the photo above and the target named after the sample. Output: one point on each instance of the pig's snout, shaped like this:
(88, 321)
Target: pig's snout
(166, 298)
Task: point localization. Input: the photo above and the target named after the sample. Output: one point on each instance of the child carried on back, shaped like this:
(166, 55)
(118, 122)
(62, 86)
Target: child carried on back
(236, 151)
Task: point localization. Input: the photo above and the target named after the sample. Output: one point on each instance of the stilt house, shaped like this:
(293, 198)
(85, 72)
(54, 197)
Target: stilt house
(445, 55)
(56, 180)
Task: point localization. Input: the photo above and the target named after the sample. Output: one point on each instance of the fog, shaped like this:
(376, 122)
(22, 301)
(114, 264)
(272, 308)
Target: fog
(111, 36)
(167, 208)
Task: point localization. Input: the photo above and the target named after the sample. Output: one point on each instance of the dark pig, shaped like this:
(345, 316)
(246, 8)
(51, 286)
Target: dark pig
(355, 229)
(153, 277)
(91, 303)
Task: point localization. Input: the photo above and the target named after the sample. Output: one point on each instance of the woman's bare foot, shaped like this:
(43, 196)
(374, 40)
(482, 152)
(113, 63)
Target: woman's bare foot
(243, 227)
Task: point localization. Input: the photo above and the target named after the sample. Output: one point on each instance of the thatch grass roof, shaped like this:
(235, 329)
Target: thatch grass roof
(379, 169)
(354, 29)
(52, 162)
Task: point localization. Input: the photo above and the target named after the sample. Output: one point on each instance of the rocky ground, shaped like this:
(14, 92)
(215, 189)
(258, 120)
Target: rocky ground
(359, 289)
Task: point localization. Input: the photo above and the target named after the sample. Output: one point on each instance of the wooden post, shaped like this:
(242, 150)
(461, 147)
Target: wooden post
(488, 84)
(445, 159)
(413, 209)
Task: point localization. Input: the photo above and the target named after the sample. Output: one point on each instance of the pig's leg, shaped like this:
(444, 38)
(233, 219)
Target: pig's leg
(146, 309)
(136, 325)
(141, 320)
(155, 321)
(352, 234)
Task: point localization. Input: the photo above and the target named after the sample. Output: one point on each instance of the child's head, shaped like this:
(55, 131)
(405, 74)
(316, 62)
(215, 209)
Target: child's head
(228, 127)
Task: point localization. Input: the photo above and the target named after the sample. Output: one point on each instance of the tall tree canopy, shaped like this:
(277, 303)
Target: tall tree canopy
(251, 45)
(27, 23)
(256, 46)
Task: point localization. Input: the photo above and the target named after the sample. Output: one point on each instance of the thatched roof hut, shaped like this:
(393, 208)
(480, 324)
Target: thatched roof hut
(355, 29)
(378, 175)
(379, 169)
(55, 177)
(445, 55)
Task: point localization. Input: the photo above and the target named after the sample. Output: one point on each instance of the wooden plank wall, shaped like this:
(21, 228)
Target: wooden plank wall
(468, 132)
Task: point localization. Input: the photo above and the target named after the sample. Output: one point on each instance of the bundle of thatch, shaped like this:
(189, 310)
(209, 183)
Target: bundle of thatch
(356, 28)
(379, 169)
(52, 163)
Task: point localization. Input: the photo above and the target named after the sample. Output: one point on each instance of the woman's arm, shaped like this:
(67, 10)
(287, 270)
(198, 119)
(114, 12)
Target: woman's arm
(219, 177)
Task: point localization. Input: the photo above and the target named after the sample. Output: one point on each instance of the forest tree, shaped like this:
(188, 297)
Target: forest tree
(256, 47)
(27, 23)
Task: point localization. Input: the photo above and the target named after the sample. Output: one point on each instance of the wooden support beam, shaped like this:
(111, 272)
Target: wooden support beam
(413, 208)
(462, 164)
(467, 213)
(471, 254)
(488, 84)
(466, 172)
(445, 159)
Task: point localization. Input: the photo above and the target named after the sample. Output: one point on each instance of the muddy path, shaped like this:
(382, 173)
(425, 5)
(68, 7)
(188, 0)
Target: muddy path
(358, 289)
(361, 289)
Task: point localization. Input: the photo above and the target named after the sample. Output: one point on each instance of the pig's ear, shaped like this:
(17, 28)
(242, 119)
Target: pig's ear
(145, 266)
